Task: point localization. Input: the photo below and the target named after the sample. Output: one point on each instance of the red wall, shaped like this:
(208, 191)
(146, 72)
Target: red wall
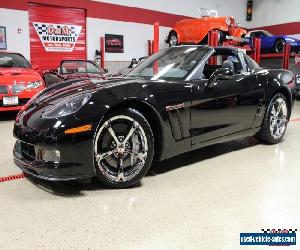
(55, 15)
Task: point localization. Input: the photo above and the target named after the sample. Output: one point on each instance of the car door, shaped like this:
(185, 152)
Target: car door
(227, 107)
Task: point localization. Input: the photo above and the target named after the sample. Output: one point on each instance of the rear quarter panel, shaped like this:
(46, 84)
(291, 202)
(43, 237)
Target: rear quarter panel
(277, 80)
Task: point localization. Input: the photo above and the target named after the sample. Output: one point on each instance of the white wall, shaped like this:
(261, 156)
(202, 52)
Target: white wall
(271, 12)
(12, 20)
(135, 38)
(236, 8)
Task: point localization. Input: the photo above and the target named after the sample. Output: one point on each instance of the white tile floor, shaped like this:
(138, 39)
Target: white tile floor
(201, 200)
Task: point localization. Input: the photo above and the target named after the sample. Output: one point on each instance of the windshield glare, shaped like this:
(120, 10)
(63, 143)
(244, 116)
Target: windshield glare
(11, 60)
(71, 67)
(174, 63)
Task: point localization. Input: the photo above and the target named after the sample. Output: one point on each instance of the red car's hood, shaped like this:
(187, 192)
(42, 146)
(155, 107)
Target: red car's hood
(18, 75)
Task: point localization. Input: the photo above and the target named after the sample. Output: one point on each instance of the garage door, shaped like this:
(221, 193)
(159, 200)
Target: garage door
(56, 33)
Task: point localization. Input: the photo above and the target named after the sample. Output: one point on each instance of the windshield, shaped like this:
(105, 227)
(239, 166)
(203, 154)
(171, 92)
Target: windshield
(71, 67)
(11, 60)
(267, 33)
(174, 63)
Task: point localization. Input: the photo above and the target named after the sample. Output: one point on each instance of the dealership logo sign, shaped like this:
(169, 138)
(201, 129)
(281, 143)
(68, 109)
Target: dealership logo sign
(57, 37)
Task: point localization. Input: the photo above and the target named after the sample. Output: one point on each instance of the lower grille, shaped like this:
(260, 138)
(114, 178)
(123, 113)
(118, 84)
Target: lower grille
(28, 151)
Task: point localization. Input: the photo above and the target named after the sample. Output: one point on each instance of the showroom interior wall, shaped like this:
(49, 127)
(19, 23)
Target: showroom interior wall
(274, 21)
(135, 33)
(14, 20)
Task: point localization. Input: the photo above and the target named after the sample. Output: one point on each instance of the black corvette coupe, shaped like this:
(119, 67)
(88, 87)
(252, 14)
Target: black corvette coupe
(180, 99)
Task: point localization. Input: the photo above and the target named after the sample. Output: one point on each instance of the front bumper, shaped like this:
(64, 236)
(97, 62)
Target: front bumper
(21, 104)
(46, 156)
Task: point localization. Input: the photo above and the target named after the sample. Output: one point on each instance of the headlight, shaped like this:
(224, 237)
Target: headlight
(33, 85)
(67, 108)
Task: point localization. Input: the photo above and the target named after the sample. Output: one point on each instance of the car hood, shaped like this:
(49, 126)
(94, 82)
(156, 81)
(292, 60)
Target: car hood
(69, 89)
(18, 75)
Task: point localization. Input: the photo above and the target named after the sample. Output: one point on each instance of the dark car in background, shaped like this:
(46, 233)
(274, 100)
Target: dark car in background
(175, 101)
(73, 69)
(274, 43)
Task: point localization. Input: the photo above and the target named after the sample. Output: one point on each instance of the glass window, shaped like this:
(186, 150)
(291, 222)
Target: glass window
(174, 63)
(72, 66)
(252, 64)
(221, 57)
(12, 60)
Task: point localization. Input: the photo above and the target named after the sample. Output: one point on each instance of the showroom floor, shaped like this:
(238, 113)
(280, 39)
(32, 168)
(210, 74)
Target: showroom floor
(202, 200)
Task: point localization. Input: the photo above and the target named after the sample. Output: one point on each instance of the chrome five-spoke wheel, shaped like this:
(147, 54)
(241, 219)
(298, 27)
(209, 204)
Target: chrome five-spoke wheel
(278, 118)
(122, 147)
(275, 121)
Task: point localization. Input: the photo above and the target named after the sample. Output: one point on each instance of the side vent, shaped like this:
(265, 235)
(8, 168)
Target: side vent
(178, 121)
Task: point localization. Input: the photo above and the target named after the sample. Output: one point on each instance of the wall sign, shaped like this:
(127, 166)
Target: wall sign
(3, 43)
(57, 37)
(114, 43)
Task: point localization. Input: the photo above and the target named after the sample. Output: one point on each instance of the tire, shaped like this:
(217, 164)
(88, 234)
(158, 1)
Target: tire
(275, 121)
(173, 39)
(278, 45)
(123, 148)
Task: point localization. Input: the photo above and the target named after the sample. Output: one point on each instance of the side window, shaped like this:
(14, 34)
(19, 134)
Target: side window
(252, 64)
(223, 60)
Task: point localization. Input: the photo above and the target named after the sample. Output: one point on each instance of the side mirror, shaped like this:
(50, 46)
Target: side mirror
(220, 74)
(35, 67)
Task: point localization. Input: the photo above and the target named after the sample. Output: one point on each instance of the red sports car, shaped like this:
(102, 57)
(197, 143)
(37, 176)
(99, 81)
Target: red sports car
(19, 81)
(114, 42)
